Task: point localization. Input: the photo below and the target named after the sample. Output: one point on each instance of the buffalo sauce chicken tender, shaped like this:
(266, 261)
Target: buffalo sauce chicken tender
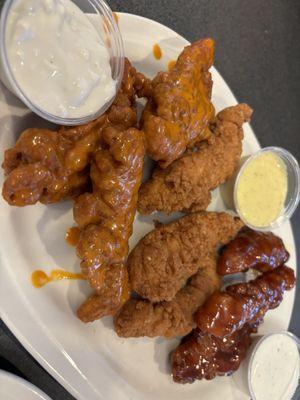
(47, 166)
(105, 215)
(179, 110)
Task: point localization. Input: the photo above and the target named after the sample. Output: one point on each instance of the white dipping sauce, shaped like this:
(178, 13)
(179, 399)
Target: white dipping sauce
(58, 58)
(274, 370)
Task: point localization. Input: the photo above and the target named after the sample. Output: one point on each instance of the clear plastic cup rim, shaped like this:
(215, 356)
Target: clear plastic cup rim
(292, 168)
(101, 8)
(256, 347)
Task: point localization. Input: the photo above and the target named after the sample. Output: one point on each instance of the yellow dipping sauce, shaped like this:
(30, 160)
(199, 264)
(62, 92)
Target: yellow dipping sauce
(261, 189)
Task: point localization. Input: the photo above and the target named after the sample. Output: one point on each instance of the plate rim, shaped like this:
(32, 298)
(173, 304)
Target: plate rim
(24, 383)
(68, 386)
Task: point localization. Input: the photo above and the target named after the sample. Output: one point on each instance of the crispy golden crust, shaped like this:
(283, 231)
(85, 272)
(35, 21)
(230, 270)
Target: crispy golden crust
(186, 184)
(142, 318)
(166, 257)
(178, 113)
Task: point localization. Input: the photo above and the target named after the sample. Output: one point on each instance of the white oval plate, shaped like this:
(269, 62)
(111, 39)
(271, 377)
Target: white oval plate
(90, 360)
(12, 387)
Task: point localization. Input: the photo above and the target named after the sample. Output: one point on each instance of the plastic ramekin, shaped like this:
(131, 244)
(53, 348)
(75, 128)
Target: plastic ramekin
(293, 192)
(110, 33)
(259, 342)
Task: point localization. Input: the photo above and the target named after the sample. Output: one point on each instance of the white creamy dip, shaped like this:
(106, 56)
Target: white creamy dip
(274, 370)
(58, 58)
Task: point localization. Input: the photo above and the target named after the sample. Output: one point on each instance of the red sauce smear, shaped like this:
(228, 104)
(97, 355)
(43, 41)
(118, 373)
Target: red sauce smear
(40, 278)
(157, 51)
(72, 236)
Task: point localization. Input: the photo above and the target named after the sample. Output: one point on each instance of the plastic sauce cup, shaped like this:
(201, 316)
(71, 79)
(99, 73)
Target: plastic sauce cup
(274, 367)
(293, 187)
(111, 37)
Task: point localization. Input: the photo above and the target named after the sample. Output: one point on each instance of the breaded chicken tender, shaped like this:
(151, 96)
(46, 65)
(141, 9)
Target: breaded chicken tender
(179, 110)
(47, 166)
(169, 318)
(187, 183)
(165, 258)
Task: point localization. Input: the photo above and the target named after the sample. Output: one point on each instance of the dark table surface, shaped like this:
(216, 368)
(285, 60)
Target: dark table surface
(258, 54)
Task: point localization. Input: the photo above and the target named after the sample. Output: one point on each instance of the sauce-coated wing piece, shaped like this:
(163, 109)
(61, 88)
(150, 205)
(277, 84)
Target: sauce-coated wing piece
(114, 292)
(179, 111)
(202, 356)
(47, 166)
(225, 321)
(186, 184)
(106, 217)
(165, 258)
(252, 249)
(225, 312)
(142, 318)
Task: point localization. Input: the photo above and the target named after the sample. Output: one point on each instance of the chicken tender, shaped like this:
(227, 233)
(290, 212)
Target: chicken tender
(165, 258)
(203, 356)
(186, 184)
(105, 216)
(179, 111)
(142, 318)
(113, 293)
(252, 249)
(46, 166)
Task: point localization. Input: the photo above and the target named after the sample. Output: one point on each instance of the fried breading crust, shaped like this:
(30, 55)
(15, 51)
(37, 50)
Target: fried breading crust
(142, 318)
(165, 258)
(187, 182)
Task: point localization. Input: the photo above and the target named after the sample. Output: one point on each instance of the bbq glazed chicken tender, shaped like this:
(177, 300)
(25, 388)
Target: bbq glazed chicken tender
(165, 258)
(187, 183)
(179, 111)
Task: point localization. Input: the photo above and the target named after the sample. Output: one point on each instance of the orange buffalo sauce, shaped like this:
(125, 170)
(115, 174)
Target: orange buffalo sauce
(157, 51)
(40, 278)
(72, 236)
(171, 64)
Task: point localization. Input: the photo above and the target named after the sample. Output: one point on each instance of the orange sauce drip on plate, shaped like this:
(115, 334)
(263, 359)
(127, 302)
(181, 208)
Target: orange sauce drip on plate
(157, 51)
(39, 278)
(116, 17)
(171, 64)
(72, 236)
